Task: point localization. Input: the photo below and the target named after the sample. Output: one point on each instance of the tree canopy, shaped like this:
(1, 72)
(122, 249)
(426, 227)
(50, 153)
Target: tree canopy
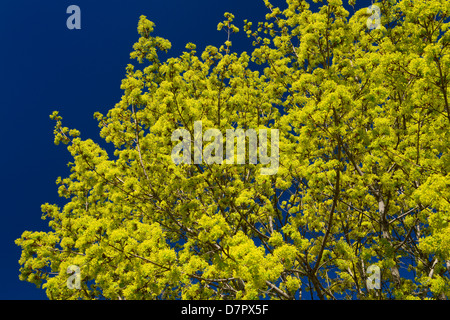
(363, 178)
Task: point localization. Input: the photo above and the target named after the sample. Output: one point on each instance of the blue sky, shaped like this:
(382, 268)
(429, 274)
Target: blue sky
(44, 66)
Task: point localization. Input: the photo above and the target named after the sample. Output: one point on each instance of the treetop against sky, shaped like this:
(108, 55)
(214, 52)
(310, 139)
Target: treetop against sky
(358, 207)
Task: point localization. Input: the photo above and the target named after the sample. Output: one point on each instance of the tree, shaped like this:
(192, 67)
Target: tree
(363, 178)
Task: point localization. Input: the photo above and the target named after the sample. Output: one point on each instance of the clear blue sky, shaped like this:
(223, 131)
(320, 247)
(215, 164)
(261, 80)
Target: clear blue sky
(44, 66)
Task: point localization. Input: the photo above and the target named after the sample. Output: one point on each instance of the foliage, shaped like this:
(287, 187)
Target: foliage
(364, 174)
